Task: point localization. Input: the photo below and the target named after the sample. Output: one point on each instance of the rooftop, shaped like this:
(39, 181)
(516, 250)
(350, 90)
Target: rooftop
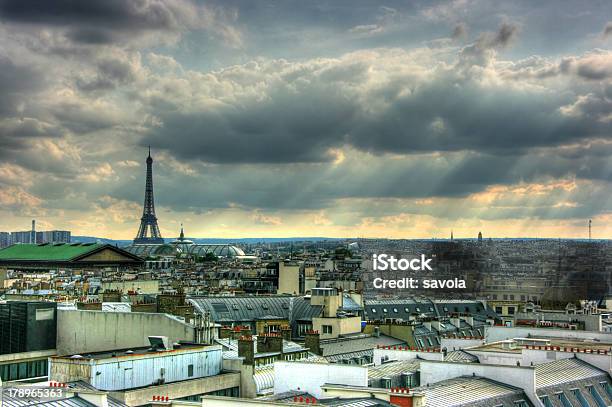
(565, 371)
(136, 352)
(58, 251)
(470, 391)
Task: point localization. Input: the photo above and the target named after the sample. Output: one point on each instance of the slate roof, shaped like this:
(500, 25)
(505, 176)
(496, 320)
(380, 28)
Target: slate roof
(404, 308)
(246, 309)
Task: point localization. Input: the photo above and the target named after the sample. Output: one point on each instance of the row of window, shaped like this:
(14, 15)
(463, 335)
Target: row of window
(23, 370)
(431, 309)
(511, 297)
(565, 402)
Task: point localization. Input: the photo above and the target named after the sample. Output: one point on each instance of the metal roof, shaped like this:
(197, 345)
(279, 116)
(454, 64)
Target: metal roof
(264, 379)
(355, 402)
(46, 252)
(460, 356)
(565, 371)
(357, 343)
(232, 345)
(392, 369)
(472, 392)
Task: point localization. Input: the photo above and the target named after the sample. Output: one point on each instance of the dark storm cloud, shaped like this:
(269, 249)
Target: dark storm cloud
(302, 113)
(92, 21)
(16, 80)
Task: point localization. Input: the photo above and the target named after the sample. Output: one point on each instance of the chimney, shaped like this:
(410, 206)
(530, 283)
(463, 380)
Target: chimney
(271, 342)
(246, 350)
(225, 332)
(286, 332)
(405, 398)
(312, 341)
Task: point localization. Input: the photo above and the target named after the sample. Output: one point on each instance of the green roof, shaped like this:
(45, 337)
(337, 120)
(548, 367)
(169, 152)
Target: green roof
(48, 252)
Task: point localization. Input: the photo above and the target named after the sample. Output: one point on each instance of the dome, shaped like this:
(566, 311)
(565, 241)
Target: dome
(219, 250)
(153, 250)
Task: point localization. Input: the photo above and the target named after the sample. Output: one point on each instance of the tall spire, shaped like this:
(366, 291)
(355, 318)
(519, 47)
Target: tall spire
(182, 236)
(149, 230)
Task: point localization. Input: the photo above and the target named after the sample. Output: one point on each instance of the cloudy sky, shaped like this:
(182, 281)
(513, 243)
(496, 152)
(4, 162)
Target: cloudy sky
(308, 118)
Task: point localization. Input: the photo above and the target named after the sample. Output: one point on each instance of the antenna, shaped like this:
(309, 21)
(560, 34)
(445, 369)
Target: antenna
(590, 222)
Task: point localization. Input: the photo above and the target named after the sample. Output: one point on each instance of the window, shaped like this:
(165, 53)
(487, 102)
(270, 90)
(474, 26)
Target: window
(395, 310)
(546, 401)
(564, 400)
(327, 329)
(429, 341)
(596, 396)
(521, 403)
(406, 310)
(498, 310)
(580, 398)
(418, 309)
(190, 370)
(607, 388)
(373, 310)
(385, 310)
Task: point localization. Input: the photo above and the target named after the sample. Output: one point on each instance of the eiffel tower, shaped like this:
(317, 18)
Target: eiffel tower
(148, 222)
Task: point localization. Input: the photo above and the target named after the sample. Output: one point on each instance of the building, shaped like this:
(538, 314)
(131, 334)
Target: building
(27, 338)
(46, 256)
(53, 236)
(133, 376)
(5, 239)
(27, 237)
(27, 326)
(267, 314)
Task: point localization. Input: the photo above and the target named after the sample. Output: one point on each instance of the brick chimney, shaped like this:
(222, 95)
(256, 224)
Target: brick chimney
(312, 341)
(225, 332)
(286, 332)
(246, 349)
(271, 342)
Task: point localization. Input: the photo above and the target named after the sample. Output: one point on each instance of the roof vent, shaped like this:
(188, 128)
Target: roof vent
(159, 343)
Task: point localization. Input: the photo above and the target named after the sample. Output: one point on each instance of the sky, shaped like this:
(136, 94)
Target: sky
(398, 119)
